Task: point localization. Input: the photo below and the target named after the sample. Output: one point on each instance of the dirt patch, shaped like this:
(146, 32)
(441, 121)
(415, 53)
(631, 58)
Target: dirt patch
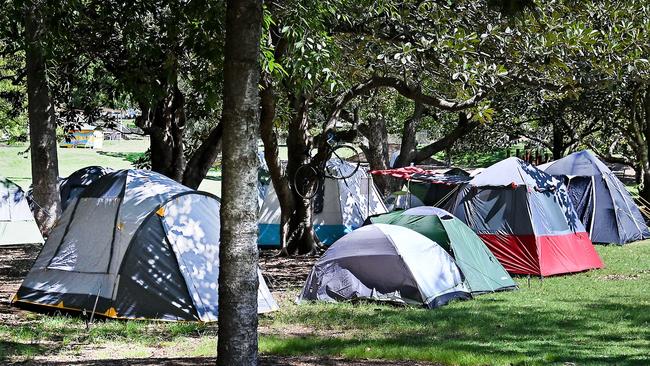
(15, 262)
(282, 273)
(620, 277)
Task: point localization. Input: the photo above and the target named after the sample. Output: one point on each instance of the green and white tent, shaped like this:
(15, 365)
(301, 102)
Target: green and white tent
(17, 224)
(482, 271)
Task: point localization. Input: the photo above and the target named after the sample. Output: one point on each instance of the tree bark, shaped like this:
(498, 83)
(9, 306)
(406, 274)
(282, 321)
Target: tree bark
(42, 125)
(238, 283)
(558, 141)
(301, 238)
(203, 158)
(409, 144)
(376, 152)
(164, 123)
(272, 158)
(464, 126)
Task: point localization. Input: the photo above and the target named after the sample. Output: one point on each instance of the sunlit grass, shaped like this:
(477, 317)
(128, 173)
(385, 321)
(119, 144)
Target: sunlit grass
(597, 317)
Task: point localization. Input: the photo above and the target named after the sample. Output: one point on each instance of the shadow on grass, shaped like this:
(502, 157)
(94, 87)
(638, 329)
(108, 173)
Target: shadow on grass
(490, 334)
(131, 157)
(23, 350)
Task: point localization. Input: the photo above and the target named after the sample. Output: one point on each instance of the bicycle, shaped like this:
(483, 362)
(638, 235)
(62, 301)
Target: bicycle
(309, 177)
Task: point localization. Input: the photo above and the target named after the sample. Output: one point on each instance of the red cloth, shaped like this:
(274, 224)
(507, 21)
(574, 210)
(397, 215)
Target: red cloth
(404, 173)
(543, 255)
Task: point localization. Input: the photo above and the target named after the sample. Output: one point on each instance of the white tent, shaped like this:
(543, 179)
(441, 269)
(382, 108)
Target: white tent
(17, 224)
(386, 263)
(346, 203)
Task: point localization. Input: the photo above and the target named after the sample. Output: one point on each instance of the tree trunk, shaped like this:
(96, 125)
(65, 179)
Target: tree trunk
(237, 333)
(377, 153)
(272, 158)
(203, 158)
(464, 126)
(558, 141)
(301, 238)
(42, 126)
(164, 123)
(409, 144)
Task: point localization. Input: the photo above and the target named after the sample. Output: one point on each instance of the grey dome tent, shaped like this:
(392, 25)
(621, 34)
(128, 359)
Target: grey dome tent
(134, 245)
(72, 186)
(17, 224)
(386, 263)
(604, 206)
(482, 271)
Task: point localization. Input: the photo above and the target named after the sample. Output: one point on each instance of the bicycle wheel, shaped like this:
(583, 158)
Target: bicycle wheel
(346, 160)
(306, 181)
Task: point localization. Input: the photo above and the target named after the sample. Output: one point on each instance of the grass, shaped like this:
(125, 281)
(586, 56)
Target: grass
(592, 318)
(598, 317)
(15, 163)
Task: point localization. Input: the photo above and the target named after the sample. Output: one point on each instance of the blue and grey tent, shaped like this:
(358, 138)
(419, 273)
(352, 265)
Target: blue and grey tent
(135, 245)
(600, 199)
(386, 263)
(344, 205)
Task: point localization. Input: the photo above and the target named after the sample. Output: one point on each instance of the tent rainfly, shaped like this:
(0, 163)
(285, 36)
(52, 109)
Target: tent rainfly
(386, 263)
(481, 270)
(17, 224)
(134, 245)
(600, 199)
(526, 219)
(341, 207)
(72, 186)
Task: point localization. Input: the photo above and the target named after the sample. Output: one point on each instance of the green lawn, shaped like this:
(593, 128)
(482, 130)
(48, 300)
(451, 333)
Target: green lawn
(15, 164)
(598, 317)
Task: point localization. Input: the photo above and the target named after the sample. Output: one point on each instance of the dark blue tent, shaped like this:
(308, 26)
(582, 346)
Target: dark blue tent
(604, 205)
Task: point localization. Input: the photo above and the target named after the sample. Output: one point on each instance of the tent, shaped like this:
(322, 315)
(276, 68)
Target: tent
(133, 245)
(603, 204)
(341, 207)
(17, 224)
(526, 219)
(72, 186)
(402, 200)
(482, 271)
(386, 263)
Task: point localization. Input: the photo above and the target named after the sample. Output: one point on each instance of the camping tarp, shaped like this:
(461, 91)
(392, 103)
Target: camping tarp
(138, 245)
(600, 199)
(386, 263)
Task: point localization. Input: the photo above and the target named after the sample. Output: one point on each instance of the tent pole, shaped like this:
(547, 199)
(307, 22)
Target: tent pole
(92, 314)
(408, 195)
(368, 182)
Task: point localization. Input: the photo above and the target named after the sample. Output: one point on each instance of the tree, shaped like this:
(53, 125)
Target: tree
(164, 57)
(238, 282)
(42, 122)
